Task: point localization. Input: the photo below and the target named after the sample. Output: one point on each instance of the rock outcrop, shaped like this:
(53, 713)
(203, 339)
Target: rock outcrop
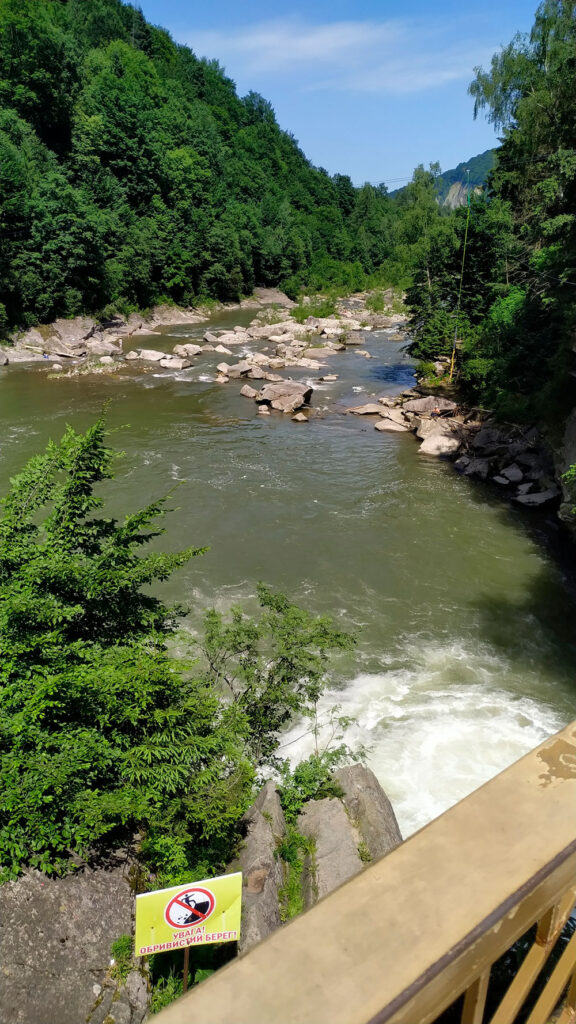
(335, 858)
(370, 809)
(261, 868)
(55, 949)
(344, 835)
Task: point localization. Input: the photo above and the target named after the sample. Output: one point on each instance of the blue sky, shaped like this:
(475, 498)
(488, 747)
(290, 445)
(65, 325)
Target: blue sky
(368, 88)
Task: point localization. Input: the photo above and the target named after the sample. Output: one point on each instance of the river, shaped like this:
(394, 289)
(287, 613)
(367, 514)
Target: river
(466, 656)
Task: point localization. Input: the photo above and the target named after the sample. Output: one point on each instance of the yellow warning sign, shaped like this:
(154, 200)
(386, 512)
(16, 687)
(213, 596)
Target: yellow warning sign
(195, 913)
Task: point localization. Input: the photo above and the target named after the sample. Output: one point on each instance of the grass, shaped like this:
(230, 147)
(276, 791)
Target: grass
(121, 951)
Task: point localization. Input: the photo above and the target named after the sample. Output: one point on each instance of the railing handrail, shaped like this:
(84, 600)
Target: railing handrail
(400, 941)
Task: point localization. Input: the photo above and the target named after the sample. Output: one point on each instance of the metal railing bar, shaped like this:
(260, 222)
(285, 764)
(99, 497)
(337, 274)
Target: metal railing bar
(549, 929)
(475, 1000)
(486, 925)
(556, 983)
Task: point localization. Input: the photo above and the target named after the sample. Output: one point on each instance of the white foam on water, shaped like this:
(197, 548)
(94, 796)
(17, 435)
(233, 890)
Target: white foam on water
(435, 729)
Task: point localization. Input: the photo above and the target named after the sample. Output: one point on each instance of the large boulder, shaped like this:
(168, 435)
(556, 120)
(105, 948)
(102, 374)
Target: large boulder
(370, 809)
(286, 396)
(336, 857)
(319, 353)
(395, 415)
(477, 467)
(235, 370)
(175, 363)
(55, 948)
(513, 474)
(273, 297)
(439, 444)
(73, 332)
(168, 315)
(101, 347)
(150, 355)
(536, 498)
(391, 427)
(427, 405)
(370, 409)
(231, 338)
(261, 869)
(187, 351)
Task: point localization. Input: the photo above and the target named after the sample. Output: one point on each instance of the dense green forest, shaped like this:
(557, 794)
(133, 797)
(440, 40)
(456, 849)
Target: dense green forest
(518, 302)
(133, 173)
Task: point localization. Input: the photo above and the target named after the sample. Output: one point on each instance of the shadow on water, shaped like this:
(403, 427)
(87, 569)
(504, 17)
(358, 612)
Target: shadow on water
(537, 627)
(394, 373)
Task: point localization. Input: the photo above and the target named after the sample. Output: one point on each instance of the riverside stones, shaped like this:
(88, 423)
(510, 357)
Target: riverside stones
(175, 363)
(439, 444)
(248, 392)
(98, 347)
(536, 498)
(240, 369)
(150, 355)
(394, 415)
(513, 474)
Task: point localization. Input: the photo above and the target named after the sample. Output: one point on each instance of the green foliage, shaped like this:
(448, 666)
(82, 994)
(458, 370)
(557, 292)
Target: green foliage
(272, 668)
(364, 853)
(99, 732)
(318, 306)
(293, 850)
(310, 780)
(121, 952)
(376, 302)
(165, 990)
(133, 172)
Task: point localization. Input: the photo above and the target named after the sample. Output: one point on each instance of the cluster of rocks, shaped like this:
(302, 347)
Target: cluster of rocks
(346, 833)
(512, 457)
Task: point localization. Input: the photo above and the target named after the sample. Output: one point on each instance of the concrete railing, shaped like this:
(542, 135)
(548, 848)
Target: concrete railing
(402, 940)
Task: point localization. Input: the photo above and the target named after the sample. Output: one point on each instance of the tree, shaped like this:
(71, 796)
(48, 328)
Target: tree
(528, 93)
(103, 733)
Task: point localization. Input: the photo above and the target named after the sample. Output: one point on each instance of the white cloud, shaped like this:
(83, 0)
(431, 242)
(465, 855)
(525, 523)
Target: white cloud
(379, 57)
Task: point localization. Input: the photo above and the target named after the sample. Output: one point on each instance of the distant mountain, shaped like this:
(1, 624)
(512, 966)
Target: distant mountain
(451, 185)
(479, 167)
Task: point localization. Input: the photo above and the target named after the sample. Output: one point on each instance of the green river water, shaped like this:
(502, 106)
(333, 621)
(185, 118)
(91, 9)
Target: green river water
(466, 657)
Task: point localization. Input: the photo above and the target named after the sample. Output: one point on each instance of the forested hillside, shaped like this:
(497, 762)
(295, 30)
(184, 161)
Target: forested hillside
(518, 300)
(133, 173)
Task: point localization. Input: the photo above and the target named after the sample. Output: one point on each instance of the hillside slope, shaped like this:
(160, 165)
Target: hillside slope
(134, 173)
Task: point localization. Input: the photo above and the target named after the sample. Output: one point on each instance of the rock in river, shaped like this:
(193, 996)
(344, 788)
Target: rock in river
(370, 409)
(287, 396)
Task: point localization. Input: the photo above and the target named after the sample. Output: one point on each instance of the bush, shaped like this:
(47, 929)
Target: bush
(318, 306)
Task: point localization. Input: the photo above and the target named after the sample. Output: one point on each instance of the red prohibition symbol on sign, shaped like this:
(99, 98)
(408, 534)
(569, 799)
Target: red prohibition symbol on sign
(190, 907)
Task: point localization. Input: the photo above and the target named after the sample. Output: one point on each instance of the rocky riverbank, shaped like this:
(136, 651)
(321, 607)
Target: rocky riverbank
(515, 460)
